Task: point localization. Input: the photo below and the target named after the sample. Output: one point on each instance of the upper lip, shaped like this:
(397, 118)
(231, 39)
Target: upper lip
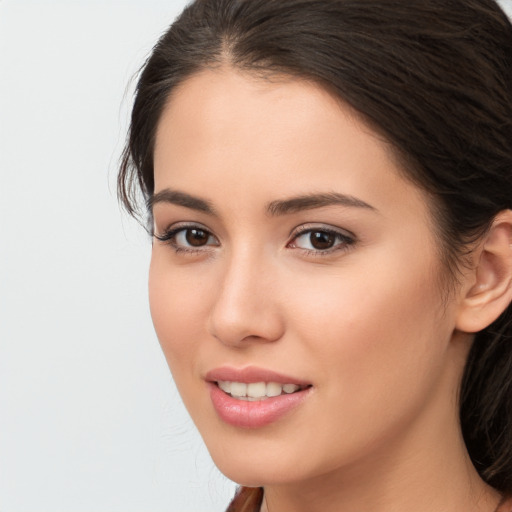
(250, 374)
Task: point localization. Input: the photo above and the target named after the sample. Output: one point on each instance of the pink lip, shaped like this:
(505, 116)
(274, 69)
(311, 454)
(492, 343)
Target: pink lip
(245, 414)
(251, 374)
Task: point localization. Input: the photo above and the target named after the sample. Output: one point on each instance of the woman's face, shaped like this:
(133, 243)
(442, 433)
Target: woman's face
(292, 252)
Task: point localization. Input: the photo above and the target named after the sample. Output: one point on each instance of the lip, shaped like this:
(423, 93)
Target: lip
(257, 414)
(250, 374)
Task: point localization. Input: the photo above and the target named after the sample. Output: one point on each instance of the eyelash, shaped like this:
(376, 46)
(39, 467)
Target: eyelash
(345, 241)
(169, 237)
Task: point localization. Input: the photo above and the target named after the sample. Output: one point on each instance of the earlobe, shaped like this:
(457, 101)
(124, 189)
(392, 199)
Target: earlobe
(490, 291)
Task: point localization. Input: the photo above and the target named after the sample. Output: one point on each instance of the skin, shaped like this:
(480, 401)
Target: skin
(367, 323)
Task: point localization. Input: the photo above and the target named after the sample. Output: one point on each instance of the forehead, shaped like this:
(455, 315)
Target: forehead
(285, 135)
(213, 103)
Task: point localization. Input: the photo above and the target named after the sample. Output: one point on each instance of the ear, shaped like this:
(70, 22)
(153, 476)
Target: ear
(488, 291)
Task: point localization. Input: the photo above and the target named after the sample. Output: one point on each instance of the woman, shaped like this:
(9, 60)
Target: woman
(329, 187)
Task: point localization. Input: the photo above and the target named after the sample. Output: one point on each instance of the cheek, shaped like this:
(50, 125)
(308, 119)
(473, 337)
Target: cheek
(376, 347)
(368, 329)
(176, 311)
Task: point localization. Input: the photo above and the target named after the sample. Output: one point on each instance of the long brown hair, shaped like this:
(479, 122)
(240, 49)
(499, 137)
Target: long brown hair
(434, 77)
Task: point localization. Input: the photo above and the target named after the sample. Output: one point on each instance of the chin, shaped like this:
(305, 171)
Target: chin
(250, 473)
(258, 460)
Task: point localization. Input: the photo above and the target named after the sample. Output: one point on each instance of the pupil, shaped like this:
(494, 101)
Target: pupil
(196, 237)
(322, 240)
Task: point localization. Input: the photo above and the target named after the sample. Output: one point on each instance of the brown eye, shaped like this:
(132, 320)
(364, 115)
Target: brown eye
(188, 238)
(196, 237)
(322, 240)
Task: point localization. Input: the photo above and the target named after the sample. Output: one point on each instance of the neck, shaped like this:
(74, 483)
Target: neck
(422, 483)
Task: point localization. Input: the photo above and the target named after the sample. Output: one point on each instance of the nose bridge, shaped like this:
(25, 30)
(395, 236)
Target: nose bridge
(244, 308)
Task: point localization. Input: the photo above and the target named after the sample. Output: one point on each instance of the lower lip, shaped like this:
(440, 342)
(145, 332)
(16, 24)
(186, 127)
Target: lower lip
(245, 414)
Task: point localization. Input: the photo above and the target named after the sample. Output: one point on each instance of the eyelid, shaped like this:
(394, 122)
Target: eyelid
(177, 226)
(311, 226)
(347, 238)
(169, 236)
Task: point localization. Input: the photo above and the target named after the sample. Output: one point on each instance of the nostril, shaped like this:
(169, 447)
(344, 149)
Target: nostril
(239, 331)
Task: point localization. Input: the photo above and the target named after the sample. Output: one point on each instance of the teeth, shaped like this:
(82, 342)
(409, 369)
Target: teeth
(256, 390)
(225, 386)
(290, 388)
(238, 389)
(274, 389)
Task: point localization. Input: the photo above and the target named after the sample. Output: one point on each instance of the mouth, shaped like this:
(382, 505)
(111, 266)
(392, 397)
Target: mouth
(254, 397)
(257, 391)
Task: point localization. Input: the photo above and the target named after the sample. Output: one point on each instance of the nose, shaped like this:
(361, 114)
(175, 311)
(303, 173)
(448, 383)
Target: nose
(245, 309)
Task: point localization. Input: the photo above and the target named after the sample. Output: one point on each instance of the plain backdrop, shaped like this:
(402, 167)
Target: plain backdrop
(90, 420)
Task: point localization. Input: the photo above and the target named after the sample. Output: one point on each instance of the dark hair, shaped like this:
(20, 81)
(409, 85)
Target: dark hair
(434, 77)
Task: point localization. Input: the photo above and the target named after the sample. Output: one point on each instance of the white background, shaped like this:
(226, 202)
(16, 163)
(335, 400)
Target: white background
(90, 420)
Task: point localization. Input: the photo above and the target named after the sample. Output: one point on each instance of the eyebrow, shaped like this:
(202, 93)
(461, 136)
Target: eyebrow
(274, 208)
(312, 201)
(181, 199)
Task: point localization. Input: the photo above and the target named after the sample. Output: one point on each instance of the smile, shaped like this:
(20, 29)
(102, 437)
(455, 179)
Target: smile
(255, 391)
(253, 397)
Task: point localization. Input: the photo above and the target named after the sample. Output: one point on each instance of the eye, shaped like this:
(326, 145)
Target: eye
(192, 237)
(188, 238)
(321, 240)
